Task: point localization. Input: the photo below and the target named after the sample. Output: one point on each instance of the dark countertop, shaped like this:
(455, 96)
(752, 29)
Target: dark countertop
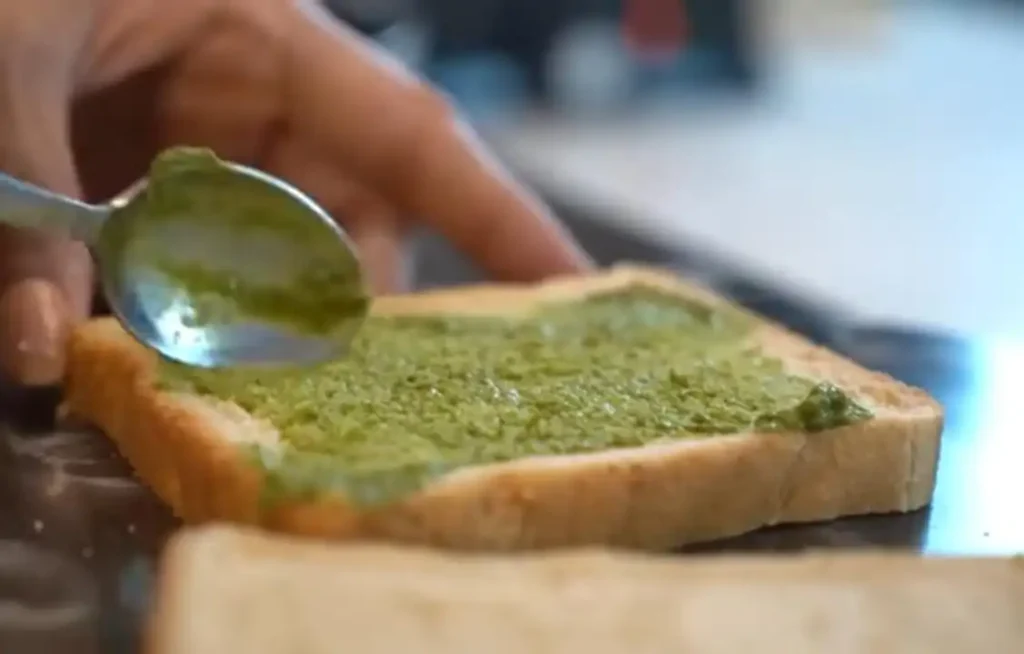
(83, 534)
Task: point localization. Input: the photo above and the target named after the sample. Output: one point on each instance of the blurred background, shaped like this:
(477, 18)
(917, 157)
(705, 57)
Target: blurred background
(866, 154)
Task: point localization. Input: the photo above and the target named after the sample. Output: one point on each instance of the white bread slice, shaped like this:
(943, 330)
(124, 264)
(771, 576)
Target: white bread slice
(224, 589)
(656, 497)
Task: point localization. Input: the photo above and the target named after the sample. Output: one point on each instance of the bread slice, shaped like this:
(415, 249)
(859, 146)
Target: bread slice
(660, 496)
(224, 589)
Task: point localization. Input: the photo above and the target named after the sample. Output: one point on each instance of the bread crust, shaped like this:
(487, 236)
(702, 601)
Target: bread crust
(655, 497)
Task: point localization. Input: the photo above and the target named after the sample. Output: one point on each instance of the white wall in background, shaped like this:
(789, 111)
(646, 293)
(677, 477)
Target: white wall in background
(889, 180)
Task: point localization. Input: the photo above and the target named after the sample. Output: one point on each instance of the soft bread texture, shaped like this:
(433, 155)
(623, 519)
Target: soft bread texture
(225, 589)
(655, 497)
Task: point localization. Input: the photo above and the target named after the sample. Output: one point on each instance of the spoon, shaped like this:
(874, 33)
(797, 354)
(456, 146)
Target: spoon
(211, 263)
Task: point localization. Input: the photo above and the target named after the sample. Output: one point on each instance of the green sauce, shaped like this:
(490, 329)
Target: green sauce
(238, 246)
(420, 396)
(312, 302)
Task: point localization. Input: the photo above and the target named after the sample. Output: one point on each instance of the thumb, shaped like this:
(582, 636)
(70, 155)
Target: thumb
(35, 323)
(45, 278)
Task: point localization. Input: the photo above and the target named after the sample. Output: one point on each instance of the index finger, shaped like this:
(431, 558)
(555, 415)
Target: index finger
(395, 135)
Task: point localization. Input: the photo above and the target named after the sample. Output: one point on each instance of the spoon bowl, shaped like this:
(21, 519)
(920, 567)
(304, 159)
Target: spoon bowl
(214, 264)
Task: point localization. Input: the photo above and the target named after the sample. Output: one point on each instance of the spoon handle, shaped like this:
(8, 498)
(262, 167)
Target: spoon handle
(30, 207)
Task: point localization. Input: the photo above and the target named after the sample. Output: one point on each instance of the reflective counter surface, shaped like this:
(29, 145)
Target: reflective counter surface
(79, 536)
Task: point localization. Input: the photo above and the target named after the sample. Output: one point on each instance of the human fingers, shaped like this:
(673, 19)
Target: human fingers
(37, 315)
(382, 251)
(401, 139)
(45, 278)
(374, 227)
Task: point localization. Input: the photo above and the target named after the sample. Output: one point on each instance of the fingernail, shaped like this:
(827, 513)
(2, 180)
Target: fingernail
(34, 326)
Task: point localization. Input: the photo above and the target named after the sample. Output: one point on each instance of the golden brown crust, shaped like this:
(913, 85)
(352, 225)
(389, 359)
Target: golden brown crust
(225, 589)
(655, 497)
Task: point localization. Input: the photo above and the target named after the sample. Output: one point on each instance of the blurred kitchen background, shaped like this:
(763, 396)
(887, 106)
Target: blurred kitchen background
(867, 155)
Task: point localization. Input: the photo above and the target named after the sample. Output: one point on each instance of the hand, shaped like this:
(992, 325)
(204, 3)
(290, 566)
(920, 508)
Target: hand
(91, 90)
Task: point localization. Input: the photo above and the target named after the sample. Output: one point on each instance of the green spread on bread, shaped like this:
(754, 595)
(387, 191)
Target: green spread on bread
(419, 396)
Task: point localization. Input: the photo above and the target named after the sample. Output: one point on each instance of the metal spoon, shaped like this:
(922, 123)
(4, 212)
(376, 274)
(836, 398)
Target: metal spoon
(211, 263)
